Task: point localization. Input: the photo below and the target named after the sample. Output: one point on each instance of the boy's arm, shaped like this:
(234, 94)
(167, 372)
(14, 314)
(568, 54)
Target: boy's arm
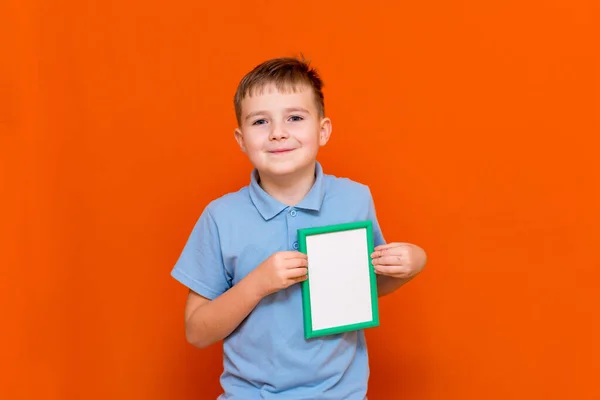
(208, 321)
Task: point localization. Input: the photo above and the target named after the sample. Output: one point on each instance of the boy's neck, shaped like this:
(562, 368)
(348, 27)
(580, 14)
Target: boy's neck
(291, 189)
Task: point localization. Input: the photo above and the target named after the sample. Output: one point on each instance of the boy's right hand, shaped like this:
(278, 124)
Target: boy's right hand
(279, 271)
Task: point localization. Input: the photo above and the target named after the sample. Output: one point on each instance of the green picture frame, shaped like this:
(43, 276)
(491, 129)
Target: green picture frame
(303, 235)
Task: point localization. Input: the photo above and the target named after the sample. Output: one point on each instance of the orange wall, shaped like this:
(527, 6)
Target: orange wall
(476, 125)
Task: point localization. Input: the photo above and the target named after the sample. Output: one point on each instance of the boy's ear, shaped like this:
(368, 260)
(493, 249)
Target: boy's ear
(324, 131)
(240, 139)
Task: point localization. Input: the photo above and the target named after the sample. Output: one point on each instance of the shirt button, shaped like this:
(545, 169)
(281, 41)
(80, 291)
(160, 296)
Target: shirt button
(293, 213)
(295, 245)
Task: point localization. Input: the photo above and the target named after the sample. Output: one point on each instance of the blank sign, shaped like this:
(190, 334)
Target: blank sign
(341, 291)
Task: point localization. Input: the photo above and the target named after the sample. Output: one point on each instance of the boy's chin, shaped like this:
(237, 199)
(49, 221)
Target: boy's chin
(284, 169)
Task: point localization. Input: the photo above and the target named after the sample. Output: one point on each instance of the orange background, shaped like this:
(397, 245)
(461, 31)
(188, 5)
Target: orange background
(475, 123)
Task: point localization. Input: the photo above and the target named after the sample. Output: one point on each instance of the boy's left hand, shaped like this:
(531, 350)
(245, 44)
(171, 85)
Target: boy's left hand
(399, 260)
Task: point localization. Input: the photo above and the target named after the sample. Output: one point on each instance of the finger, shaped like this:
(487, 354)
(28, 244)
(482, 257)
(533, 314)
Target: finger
(392, 270)
(297, 272)
(300, 279)
(389, 260)
(296, 263)
(392, 251)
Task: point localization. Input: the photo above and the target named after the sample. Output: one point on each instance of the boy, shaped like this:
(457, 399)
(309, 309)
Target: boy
(241, 262)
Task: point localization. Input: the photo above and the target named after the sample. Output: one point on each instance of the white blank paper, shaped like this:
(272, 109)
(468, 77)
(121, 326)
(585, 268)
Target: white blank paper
(339, 278)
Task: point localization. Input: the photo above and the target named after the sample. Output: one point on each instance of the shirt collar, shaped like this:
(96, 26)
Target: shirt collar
(269, 207)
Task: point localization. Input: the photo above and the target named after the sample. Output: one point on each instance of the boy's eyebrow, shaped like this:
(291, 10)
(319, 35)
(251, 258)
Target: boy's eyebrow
(254, 113)
(297, 109)
(289, 109)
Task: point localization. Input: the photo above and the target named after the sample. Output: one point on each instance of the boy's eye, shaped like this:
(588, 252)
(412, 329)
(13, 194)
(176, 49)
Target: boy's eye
(296, 118)
(259, 122)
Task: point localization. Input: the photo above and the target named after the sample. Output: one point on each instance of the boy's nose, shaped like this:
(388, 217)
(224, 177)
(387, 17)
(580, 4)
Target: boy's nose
(278, 132)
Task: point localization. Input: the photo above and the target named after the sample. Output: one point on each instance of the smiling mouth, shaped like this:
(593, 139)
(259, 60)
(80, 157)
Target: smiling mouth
(282, 151)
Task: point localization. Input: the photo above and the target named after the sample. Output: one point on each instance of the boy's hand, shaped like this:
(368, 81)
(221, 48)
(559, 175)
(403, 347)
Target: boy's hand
(399, 260)
(281, 270)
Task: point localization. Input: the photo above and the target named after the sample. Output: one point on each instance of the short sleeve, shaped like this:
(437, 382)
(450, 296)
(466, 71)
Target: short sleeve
(200, 266)
(378, 238)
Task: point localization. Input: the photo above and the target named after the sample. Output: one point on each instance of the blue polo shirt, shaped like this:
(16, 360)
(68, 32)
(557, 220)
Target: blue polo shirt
(267, 356)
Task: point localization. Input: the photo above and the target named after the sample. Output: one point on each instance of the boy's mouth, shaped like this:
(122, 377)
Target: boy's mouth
(280, 151)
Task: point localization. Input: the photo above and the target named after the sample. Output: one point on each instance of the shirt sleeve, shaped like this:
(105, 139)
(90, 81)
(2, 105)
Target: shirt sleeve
(200, 266)
(378, 238)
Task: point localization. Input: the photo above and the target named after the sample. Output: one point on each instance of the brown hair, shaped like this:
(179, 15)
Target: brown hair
(287, 73)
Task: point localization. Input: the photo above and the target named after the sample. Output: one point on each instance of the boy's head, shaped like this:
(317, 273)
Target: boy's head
(281, 119)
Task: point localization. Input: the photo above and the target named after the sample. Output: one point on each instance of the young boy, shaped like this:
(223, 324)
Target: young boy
(241, 262)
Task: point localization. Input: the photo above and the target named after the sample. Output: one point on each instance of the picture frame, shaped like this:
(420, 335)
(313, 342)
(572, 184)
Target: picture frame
(340, 294)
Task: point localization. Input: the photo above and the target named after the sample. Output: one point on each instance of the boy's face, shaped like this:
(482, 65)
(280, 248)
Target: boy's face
(281, 132)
